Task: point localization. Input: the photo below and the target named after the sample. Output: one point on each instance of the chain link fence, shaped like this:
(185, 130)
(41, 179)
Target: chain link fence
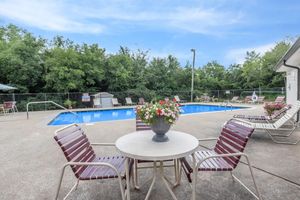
(76, 99)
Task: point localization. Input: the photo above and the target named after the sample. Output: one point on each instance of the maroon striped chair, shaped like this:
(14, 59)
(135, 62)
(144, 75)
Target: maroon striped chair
(225, 156)
(84, 162)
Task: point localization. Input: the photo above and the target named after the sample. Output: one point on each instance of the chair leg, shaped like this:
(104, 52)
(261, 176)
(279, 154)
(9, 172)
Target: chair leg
(72, 189)
(257, 195)
(291, 131)
(232, 176)
(195, 172)
(282, 142)
(59, 183)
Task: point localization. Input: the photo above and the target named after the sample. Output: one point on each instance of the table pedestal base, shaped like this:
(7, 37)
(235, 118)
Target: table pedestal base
(158, 173)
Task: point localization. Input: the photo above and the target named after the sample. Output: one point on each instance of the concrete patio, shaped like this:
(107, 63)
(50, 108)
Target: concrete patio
(31, 161)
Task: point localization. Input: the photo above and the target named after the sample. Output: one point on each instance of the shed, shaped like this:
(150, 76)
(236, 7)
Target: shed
(102, 99)
(290, 65)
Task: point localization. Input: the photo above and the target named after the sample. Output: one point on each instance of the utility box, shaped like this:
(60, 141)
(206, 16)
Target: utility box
(102, 100)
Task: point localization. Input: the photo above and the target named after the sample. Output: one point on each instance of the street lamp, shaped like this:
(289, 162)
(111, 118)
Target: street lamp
(192, 85)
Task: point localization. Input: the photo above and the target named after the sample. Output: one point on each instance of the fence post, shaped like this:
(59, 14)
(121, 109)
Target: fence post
(45, 99)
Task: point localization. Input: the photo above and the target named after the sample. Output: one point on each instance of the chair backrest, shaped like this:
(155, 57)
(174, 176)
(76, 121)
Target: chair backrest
(233, 139)
(8, 104)
(141, 101)
(261, 98)
(248, 98)
(115, 101)
(140, 125)
(279, 99)
(235, 98)
(288, 115)
(75, 146)
(97, 102)
(177, 98)
(278, 113)
(128, 100)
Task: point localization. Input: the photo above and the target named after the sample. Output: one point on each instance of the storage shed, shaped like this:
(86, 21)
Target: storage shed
(102, 100)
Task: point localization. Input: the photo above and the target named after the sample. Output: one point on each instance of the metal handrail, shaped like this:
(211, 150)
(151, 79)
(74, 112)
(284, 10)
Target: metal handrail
(40, 102)
(226, 104)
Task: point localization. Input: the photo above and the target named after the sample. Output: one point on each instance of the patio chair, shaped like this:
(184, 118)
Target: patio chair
(235, 99)
(10, 106)
(96, 103)
(205, 98)
(284, 123)
(265, 118)
(280, 99)
(178, 100)
(84, 162)
(115, 102)
(2, 109)
(224, 157)
(141, 126)
(261, 99)
(129, 101)
(248, 99)
(142, 101)
(214, 99)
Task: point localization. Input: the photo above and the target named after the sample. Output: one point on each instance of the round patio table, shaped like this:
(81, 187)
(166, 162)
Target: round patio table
(139, 145)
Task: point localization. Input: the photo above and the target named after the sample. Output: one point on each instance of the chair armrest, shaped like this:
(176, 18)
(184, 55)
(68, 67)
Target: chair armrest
(207, 139)
(103, 144)
(97, 164)
(224, 155)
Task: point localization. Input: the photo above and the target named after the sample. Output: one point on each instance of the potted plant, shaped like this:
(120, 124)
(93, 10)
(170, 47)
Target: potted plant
(68, 103)
(270, 108)
(160, 116)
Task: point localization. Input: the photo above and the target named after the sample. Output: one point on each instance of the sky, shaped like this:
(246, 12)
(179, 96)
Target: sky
(220, 30)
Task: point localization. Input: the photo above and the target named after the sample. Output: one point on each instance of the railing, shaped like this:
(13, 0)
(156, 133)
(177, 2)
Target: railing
(226, 104)
(44, 102)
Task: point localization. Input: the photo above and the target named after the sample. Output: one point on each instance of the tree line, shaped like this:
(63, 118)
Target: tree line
(34, 65)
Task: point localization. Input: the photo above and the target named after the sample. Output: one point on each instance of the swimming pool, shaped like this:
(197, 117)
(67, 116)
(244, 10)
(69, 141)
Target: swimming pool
(92, 116)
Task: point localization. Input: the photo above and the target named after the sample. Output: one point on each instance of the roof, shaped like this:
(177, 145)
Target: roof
(292, 50)
(103, 94)
(7, 87)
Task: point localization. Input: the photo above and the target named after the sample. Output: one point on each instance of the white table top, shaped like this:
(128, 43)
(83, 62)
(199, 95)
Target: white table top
(139, 145)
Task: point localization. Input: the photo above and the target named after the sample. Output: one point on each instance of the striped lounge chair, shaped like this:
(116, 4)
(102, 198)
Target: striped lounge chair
(264, 118)
(284, 123)
(225, 156)
(84, 162)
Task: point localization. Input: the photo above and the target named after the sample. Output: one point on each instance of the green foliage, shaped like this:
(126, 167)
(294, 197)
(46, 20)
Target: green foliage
(36, 65)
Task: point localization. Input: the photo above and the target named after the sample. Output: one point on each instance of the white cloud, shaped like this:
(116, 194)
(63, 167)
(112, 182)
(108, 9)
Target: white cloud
(196, 19)
(94, 16)
(46, 15)
(238, 55)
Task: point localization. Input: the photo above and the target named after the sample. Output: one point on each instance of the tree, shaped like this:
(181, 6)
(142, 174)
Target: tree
(20, 59)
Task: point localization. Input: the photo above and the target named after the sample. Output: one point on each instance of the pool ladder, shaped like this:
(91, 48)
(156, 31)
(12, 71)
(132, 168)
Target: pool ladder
(44, 102)
(226, 104)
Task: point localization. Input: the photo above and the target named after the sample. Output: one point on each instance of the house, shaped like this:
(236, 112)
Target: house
(290, 64)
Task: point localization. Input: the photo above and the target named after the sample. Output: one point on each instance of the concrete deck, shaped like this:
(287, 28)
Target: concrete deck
(31, 161)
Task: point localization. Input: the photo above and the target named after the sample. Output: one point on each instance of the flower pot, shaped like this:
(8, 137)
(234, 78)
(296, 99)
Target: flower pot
(160, 127)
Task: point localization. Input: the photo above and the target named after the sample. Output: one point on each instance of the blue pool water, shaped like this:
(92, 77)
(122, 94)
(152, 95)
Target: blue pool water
(126, 113)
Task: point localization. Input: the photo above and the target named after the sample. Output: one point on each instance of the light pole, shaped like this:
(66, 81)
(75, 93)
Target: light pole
(192, 85)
